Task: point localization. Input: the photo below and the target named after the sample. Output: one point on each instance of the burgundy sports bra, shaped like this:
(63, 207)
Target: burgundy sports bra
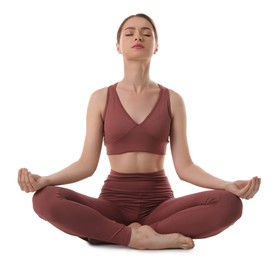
(122, 134)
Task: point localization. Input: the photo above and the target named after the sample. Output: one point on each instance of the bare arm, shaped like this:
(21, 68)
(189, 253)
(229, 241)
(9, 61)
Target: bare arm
(184, 165)
(88, 161)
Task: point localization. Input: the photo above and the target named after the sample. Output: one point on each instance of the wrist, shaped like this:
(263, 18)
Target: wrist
(46, 181)
(226, 185)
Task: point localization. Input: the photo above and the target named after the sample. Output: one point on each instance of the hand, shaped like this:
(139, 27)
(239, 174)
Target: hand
(245, 189)
(29, 182)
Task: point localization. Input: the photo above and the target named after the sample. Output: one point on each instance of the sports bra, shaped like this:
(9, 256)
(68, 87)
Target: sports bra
(122, 134)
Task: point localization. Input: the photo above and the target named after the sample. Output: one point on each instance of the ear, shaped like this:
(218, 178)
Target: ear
(156, 49)
(118, 48)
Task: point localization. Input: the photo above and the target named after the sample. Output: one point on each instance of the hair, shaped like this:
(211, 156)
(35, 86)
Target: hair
(137, 15)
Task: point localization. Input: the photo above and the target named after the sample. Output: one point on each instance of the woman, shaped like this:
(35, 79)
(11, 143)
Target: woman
(136, 118)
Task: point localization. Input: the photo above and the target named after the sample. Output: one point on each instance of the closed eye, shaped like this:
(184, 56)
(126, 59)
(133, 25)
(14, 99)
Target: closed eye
(130, 34)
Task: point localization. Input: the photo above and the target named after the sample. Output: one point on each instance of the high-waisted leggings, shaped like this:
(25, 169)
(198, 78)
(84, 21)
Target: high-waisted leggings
(144, 198)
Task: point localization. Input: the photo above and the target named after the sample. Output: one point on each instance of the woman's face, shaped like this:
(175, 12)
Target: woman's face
(137, 40)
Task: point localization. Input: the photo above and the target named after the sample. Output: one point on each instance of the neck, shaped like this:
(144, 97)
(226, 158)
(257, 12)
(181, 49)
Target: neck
(136, 75)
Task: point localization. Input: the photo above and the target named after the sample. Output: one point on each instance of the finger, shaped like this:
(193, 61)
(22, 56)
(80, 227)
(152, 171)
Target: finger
(29, 185)
(253, 188)
(256, 187)
(245, 190)
(249, 191)
(19, 178)
(32, 181)
(24, 180)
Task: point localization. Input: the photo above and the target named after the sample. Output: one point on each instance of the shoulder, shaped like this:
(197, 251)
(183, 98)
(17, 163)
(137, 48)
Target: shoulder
(99, 95)
(176, 100)
(173, 95)
(97, 100)
(176, 104)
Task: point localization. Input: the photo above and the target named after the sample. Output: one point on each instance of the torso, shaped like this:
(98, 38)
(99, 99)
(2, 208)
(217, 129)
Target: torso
(137, 162)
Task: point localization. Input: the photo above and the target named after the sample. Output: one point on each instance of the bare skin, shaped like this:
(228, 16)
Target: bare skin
(145, 237)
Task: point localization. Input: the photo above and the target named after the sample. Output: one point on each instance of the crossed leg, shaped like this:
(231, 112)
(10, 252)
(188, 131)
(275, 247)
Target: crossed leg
(175, 222)
(198, 215)
(145, 237)
(172, 224)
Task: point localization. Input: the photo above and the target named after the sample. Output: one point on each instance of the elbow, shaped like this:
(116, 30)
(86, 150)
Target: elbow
(182, 176)
(184, 170)
(88, 168)
(87, 172)
(91, 171)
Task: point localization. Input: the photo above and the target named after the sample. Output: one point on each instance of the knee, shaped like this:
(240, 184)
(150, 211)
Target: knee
(231, 206)
(42, 200)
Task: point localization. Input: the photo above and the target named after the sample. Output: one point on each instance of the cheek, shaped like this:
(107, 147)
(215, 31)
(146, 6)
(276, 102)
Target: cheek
(123, 45)
(154, 48)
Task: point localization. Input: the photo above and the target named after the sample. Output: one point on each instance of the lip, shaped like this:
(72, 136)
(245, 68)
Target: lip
(138, 46)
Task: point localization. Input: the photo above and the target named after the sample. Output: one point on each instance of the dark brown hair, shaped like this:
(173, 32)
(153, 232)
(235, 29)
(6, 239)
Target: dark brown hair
(137, 15)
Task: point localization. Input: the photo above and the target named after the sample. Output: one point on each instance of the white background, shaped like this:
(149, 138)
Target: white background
(219, 55)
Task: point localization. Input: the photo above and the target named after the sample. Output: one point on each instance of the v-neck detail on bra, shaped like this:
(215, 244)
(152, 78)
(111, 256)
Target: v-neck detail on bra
(122, 134)
(148, 115)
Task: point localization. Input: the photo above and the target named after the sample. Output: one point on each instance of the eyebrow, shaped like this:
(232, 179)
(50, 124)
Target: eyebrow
(133, 28)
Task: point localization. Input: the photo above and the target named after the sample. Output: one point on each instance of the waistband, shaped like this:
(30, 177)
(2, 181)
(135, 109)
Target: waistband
(134, 182)
(146, 175)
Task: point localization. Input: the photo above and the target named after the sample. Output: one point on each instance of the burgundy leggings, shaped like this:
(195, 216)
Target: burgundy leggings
(144, 198)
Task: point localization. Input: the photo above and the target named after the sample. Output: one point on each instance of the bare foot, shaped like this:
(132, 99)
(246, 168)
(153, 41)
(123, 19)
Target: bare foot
(145, 237)
(135, 225)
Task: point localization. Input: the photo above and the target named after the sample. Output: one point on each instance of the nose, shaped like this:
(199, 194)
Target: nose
(138, 37)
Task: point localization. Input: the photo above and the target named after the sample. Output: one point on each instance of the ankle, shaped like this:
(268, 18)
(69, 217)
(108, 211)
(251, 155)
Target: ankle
(139, 239)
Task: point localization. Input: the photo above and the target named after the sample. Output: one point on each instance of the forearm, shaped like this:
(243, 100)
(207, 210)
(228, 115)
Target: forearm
(75, 172)
(197, 176)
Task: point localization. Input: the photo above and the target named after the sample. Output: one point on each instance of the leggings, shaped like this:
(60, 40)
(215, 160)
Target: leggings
(145, 198)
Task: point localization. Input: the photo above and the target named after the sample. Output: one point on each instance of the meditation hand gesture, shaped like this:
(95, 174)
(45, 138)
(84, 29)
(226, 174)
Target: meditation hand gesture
(245, 189)
(29, 182)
